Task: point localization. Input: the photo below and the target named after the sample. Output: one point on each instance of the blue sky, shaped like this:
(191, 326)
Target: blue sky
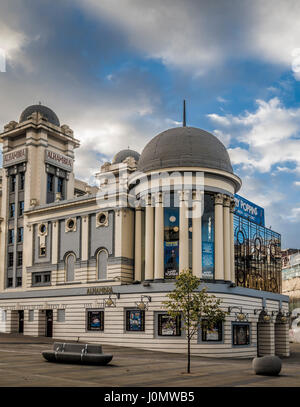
(117, 71)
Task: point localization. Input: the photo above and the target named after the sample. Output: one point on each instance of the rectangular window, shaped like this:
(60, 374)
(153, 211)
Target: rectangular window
(4, 316)
(20, 234)
(21, 208)
(19, 281)
(135, 320)
(41, 278)
(12, 210)
(47, 278)
(11, 236)
(9, 282)
(168, 326)
(61, 315)
(22, 181)
(20, 259)
(95, 320)
(12, 183)
(37, 278)
(10, 262)
(50, 183)
(31, 315)
(211, 333)
(42, 251)
(241, 334)
(60, 185)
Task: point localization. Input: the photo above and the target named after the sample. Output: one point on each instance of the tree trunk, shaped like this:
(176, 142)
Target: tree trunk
(189, 355)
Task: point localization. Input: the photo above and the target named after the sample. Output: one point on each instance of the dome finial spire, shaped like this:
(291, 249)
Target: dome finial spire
(184, 115)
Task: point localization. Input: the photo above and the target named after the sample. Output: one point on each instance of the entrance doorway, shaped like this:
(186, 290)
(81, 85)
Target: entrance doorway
(49, 323)
(21, 322)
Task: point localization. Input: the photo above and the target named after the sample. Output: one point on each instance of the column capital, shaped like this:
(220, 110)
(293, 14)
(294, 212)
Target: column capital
(232, 205)
(159, 197)
(226, 201)
(219, 199)
(197, 195)
(184, 195)
(148, 200)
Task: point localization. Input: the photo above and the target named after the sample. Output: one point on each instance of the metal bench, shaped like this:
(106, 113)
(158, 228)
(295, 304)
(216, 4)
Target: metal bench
(81, 353)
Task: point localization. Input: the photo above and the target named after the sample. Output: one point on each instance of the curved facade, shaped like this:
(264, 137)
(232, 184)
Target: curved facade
(97, 264)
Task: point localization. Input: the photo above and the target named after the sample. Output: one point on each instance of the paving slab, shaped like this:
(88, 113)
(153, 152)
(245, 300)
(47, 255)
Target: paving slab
(22, 365)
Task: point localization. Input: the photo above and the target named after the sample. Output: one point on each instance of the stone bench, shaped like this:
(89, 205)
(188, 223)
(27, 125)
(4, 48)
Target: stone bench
(267, 365)
(77, 353)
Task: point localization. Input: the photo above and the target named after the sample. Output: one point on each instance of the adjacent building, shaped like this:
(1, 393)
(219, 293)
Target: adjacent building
(95, 263)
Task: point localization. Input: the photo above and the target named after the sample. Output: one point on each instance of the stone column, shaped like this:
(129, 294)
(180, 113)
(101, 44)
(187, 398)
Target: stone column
(149, 238)
(232, 262)
(219, 250)
(159, 239)
(138, 245)
(282, 345)
(197, 235)
(266, 339)
(226, 238)
(183, 233)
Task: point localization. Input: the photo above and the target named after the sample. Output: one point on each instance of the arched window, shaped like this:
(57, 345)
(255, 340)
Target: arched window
(70, 267)
(102, 257)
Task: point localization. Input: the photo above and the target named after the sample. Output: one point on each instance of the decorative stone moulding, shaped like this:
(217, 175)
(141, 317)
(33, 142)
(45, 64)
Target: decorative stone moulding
(43, 229)
(101, 219)
(70, 225)
(10, 126)
(33, 202)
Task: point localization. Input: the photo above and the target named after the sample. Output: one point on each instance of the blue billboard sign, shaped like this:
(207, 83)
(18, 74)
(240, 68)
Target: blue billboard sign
(249, 210)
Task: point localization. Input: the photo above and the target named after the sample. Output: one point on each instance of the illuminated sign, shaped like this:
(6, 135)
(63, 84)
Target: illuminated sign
(249, 210)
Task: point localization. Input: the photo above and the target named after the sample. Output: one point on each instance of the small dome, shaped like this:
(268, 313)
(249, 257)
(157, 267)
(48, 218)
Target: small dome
(123, 154)
(184, 147)
(44, 110)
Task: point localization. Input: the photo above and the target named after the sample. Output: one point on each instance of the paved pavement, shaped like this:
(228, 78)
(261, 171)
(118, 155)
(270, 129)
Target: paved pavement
(21, 364)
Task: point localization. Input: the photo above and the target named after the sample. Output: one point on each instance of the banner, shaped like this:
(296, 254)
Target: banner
(171, 259)
(249, 210)
(208, 260)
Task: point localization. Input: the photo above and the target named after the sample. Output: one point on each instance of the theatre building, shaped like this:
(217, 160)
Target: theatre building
(94, 264)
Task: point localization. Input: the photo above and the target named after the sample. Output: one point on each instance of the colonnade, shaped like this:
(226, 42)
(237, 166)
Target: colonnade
(154, 236)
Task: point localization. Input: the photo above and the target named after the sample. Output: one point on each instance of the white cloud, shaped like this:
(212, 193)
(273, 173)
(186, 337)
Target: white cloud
(197, 35)
(297, 183)
(272, 134)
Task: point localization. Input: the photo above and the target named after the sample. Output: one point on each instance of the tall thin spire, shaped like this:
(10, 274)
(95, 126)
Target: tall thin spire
(184, 115)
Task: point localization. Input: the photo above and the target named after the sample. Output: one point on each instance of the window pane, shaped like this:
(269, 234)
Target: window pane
(61, 315)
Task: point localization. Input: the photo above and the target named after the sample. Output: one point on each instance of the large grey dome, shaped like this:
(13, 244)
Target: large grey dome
(123, 154)
(184, 147)
(44, 110)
